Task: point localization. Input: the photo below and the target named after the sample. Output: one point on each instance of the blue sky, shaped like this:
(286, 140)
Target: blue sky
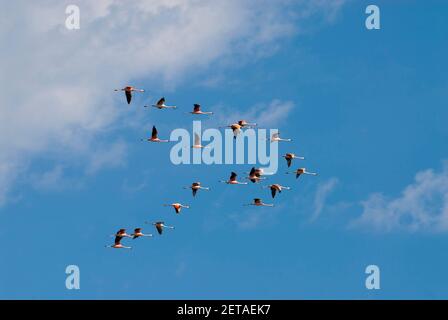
(366, 108)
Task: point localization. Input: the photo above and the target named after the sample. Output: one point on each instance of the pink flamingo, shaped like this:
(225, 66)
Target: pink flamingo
(232, 179)
(161, 105)
(128, 92)
(177, 206)
(154, 137)
(258, 203)
(197, 110)
(195, 186)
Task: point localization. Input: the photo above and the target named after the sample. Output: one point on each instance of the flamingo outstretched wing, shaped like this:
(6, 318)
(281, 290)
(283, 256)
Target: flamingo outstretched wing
(128, 96)
(154, 132)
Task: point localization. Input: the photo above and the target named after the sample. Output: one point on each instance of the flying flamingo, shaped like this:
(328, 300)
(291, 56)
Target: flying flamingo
(255, 175)
(301, 171)
(138, 233)
(244, 123)
(117, 244)
(121, 234)
(197, 110)
(290, 156)
(276, 138)
(128, 92)
(232, 179)
(177, 206)
(154, 137)
(161, 105)
(236, 128)
(195, 186)
(118, 237)
(197, 142)
(160, 225)
(258, 203)
(276, 187)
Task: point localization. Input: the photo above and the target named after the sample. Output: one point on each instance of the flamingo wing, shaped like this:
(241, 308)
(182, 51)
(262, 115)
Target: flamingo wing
(159, 228)
(154, 132)
(128, 96)
(236, 131)
(161, 101)
(233, 176)
(197, 107)
(273, 191)
(118, 240)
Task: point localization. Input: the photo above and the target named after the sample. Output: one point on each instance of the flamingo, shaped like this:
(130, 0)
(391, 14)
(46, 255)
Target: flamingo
(290, 156)
(161, 104)
(160, 225)
(117, 244)
(118, 237)
(276, 138)
(121, 234)
(154, 137)
(197, 142)
(195, 186)
(197, 110)
(258, 203)
(255, 175)
(244, 123)
(236, 128)
(177, 206)
(138, 233)
(301, 171)
(128, 92)
(232, 179)
(276, 187)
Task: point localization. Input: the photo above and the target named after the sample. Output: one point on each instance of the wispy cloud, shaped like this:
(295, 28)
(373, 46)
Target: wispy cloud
(57, 98)
(9, 171)
(422, 206)
(109, 156)
(322, 192)
(48, 180)
(266, 115)
(257, 217)
(54, 180)
(248, 220)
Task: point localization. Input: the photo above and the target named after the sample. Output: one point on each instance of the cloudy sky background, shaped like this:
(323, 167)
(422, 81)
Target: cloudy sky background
(367, 109)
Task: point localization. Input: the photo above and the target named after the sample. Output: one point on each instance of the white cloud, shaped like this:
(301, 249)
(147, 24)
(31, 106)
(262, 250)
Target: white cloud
(273, 114)
(422, 206)
(56, 85)
(110, 157)
(257, 217)
(268, 115)
(49, 180)
(249, 220)
(322, 192)
(9, 172)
